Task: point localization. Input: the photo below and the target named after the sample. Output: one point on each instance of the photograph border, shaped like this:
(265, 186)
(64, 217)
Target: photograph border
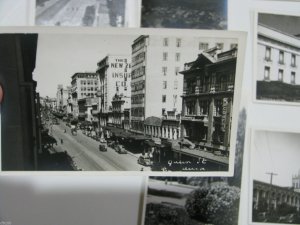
(240, 36)
(250, 145)
(255, 52)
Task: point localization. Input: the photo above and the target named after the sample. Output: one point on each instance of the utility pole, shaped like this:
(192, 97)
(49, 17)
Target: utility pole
(271, 176)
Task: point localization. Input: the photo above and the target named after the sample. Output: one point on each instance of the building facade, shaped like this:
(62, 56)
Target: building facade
(83, 85)
(274, 195)
(278, 70)
(208, 99)
(62, 96)
(120, 105)
(156, 84)
(114, 72)
(296, 182)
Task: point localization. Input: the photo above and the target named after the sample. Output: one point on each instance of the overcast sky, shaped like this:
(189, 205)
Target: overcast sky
(278, 153)
(59, 56)
(287, 24)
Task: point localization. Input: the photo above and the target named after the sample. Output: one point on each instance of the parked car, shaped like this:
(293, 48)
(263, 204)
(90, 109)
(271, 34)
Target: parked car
(102, 148)
(102, 140)
(111, 144)
(120, 149)
(144, 160)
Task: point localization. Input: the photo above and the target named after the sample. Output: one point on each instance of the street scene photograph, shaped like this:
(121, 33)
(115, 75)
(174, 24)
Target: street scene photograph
(203, 14)
(278, 57)
(275, 180)
(96, 102)
(93, 13)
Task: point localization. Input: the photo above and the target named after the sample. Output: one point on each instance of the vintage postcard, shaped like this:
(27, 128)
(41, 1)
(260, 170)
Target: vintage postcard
(276, 58)
(95, 13)
(144, 100)
(193, 14)
(275, 177)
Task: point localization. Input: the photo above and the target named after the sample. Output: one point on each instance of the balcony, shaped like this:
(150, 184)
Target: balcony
(195, 118)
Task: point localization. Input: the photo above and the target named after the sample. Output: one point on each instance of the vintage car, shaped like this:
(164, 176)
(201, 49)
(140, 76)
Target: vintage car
(120, 149)
(102, 148)
(144, 160)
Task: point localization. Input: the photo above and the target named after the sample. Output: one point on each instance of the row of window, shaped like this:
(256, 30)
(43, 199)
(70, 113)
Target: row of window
(89, 89)
(280, 75)
(139, 57)
(138, 72)
(165, 70)
(138, 112)
(165, 84)
(177, 56)
(268, 56)
(88, 94)
(89, 82)
(202, 45)
(137, 86)
(137, 99)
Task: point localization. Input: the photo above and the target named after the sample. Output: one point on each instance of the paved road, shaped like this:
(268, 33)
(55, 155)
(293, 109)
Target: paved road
(85, 152)
(71, 13)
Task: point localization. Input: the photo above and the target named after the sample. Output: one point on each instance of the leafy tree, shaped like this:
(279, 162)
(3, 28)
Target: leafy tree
(217, 204)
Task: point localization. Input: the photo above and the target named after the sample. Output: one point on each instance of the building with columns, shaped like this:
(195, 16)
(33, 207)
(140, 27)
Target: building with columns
(274, 195)
(278, 70)
(208, 99)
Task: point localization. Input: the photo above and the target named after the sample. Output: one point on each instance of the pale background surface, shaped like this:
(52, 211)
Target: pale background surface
(115, 200)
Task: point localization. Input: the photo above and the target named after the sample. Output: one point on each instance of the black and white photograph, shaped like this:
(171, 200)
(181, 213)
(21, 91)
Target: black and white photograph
(95, 102)
(193, 14)
(278, 57)
(275, 172)
(93, 13)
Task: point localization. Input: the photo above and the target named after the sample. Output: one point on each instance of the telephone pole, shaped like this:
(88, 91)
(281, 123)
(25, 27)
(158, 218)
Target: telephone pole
(271, 176)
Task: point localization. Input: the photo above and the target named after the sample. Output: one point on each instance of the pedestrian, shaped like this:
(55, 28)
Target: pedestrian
(65, 130)
(61, 141)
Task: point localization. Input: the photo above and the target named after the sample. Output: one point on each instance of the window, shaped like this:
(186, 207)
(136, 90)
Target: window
(164, 84)
(293, 60)
(203, 46)
(174, 100)
(164, 70)
(165, 56)
(220, 46)
(175, 84)
(177, 56)
(280, 75)
(293, 77)
(232, 46)
(268, 54)
(164, 98)
(281, 57)
(267, 73)
(178, 42)
(177, 70)
(165, 42)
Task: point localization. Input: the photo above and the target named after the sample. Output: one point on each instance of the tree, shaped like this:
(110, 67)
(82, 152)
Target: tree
(217, 204)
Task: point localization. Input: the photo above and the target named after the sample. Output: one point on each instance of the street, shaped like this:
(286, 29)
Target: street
(73, 13)
(86, 155)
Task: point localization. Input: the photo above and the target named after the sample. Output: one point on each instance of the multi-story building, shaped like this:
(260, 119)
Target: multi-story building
(156, 84)
(83, 85)
(208, 98)
(296, 182)
(120, 104)
(114, 73)
(278, 70)
(62, 96)
(20, 109)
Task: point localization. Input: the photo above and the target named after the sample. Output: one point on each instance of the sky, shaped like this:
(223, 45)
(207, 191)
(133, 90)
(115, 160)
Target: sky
(286, 24)
(59, 56)
(275, 152)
